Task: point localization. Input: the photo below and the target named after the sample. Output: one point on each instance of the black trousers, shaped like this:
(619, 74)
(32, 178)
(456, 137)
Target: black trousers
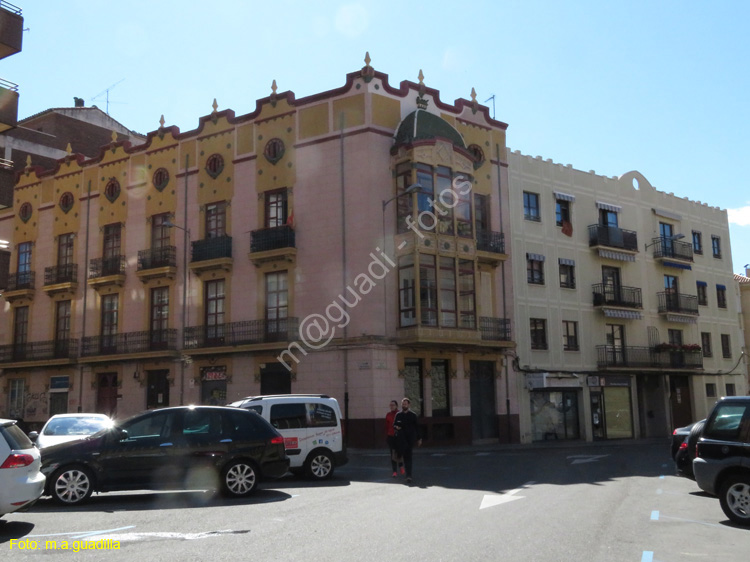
(392, 448)
(406, 453)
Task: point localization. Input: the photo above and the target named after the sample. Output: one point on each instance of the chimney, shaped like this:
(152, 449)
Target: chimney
(78, 102)
(747, 270)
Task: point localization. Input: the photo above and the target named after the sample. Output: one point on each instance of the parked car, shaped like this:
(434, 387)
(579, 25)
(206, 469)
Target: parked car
(311, 426)
(683, 459)
(722, 463)
(62, 428)
(678, 438)
(188, 447)
(21, 482)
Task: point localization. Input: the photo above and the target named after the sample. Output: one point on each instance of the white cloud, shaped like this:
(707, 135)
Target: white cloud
(352, 20)
(740, 216)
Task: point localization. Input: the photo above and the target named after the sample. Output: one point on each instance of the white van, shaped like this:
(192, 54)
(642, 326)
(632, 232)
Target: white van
(311, 426)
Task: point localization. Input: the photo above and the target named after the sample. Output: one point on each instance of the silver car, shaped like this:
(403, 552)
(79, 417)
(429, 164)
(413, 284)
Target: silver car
(21, 483)
(69, 427)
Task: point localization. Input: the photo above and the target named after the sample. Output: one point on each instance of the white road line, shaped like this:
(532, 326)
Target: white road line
(491, 500)
(83, 533)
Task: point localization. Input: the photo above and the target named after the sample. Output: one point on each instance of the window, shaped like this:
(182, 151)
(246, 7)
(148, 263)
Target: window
(567, 274)
(675, 337)
(726, 347)
(214, 307)
(406, 291)
(288, 416)
(320, 415)
(448, 292)
(15, 398)
(730, 389)
(538, 333)
(570, 335)
(159, 231)
(481, 213)
(425, 194)
(710, 390)
(159, 317)
(65, 249)
(467, 295)
(427, 290)
(608, 218)
(413, 387)
(721, 296)
(716, 246)
(535, 269)
(706, 344)
(702, 293)
(111, 249)
(20, 328)
(62, 328)
(23, 271)
(276, 208)
(697, 242)
(109, 314)
(404, 203)
(216, 219)
(531, 206)
(440, 377)
(562, 212)
(277, 301)
(445, 201)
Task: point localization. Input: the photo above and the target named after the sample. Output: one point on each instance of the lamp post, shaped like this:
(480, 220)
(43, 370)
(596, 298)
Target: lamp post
(186, 241)
(408, 191)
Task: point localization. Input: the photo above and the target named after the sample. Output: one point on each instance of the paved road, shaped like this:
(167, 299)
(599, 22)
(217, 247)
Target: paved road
(609, 502)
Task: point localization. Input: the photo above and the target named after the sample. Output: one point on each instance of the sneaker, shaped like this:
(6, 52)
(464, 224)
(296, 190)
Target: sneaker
(395, 474)
(403, 471)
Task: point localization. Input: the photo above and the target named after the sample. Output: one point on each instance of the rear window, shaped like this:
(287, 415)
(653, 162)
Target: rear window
(246, 426)
(15, 437)
(726, 422)
(75, 426)
(321, 415)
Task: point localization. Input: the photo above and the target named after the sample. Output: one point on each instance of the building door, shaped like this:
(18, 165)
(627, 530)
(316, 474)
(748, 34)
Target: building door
(157, 393)
(106, 393)
(652, 406)
(483, 410)
(275, 379)
(682, 413)
(618, 418)
(611, 282)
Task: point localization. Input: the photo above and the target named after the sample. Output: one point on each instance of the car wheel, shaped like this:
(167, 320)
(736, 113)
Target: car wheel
(735, 499)
(72, 485)
(239, 479)
(319, 465)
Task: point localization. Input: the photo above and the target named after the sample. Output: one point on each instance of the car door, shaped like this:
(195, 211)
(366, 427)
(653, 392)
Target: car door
(291, 421)
(201, 444)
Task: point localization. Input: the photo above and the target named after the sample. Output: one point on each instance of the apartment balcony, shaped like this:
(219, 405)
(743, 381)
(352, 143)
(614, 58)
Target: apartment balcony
(212, 254)
(105, 272)
(677, 307)
(146, 343)
(491, 247)
(7, 182)
(157, 263)
(490, 332)
(246, 332)
(649, 357)
(56, 351)
(8, 105)
(613, 242)
(270, 244)
(20, 286)
(618, 302)
(675, 251)
(11, 23)
(61, 279)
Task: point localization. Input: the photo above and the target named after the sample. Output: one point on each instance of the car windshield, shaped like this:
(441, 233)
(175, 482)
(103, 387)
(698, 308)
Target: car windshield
(76, 426)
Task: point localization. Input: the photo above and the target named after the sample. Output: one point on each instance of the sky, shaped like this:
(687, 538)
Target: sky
(655, 86)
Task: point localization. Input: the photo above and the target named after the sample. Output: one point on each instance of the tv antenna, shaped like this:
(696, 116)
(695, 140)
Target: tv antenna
(492, 97)
(105, 92)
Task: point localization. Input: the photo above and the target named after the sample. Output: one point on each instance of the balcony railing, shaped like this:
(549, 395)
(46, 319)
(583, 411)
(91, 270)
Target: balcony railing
(613, 237)
(39, 351)
(272, 238)
(677, 302)
(21, 281)
(489, 241)
(643, 357)
(212, 248)
(609, 295)
(55, 274)
(129, 342)
(494, 329)
(104, 267)
(675, 249)
(245, 332)
(157, 257)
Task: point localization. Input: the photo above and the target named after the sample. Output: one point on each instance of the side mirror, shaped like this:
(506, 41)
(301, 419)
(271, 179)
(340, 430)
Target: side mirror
(33, 435)
(120, 434)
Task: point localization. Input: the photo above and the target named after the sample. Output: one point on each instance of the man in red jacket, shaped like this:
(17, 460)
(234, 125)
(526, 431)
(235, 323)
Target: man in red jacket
(390, 436)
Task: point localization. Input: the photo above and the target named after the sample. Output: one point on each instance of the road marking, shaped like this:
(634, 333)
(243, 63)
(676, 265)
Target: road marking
(661, 477)
(497, 499)
(648, 556)
(581, 459)
(695, 521)
(654, 516)
(83, 533)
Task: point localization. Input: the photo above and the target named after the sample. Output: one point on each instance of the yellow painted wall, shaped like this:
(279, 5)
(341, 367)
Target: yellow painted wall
(353, 110)
(313, 121)
(386, 112)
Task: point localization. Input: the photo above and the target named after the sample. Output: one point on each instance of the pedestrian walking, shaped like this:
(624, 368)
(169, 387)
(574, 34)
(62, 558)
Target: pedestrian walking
(406, 426)
(390, 436)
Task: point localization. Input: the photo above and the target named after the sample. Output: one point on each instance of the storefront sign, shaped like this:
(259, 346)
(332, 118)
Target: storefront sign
(59, 383)
(213, 373)
(615, 381)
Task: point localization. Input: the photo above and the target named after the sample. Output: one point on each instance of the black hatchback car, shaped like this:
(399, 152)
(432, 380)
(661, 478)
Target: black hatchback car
(188, 447)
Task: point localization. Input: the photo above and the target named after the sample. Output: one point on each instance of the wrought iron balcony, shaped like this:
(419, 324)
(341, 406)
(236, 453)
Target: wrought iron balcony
(648, 357)
(490, 241)
(212, 248)
(129, 342)
(494, 329)
(152, 258)
(677, 302)
(56, 274)
(21, 281)
(609, 295)
(104, 267)
(672, 249)
(273, 238)
(613, 237)
(245, 332)
(39, 351)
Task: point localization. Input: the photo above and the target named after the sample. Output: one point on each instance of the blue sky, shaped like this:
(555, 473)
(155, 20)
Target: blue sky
(661, 87)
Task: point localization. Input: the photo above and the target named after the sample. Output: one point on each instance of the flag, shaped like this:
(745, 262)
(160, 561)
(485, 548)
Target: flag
(567, 228)
(290, 220)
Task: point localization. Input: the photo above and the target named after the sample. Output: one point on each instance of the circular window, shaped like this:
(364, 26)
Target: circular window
(161, 178)
(214, 165)
(112, 190)
(25, 212)
(66, 201)
(274, 150)
(477, 155)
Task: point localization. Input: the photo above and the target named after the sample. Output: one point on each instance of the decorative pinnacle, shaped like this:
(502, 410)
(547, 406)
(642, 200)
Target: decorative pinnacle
(367, 59)
(215, 105)
(273, 87)
(69, 149)
(161, 121)
(28, 160)
(473, 95)
(421, 77)
(114, 136)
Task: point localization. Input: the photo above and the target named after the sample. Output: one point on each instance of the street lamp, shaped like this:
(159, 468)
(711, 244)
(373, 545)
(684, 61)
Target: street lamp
(186, 241)
(408, 191)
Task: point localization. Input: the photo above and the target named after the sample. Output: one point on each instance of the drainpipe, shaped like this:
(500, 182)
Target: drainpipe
(343, 277)
(502, 281)
(85, 297)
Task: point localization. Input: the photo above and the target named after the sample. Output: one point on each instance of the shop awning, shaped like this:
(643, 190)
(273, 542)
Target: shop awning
(608, 207)
(534, 257)
(612, 255)
(681, 319)
(566, 261)
(677, 265)
(564, 196)
(627, 314)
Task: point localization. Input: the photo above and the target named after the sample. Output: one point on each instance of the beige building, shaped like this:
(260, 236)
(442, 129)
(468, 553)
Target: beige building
(626, 317)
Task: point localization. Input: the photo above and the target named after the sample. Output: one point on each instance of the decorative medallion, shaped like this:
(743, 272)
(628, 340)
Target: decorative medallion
(160, 178)
(112, 190)
(477, 155)
(214, 165)
(24, 213)
(274, 150)
(66, 201)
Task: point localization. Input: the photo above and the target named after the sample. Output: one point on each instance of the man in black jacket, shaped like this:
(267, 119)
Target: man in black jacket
(406, 426)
